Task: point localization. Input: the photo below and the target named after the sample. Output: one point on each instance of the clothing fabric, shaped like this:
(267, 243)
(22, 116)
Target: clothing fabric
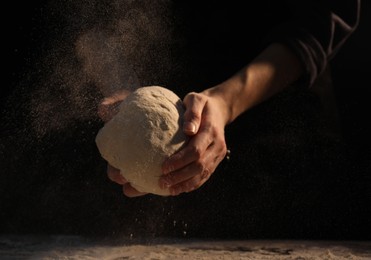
(217, 39)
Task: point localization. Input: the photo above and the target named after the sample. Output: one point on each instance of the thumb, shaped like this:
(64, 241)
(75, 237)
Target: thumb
(194, 104)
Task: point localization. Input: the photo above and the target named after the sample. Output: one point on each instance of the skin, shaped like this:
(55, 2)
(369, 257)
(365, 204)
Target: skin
(209, 112)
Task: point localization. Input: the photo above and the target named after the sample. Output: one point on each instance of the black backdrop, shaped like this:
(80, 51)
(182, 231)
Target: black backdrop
(54, 181)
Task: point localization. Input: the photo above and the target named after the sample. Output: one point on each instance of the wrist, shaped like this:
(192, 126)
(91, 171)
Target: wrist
(218, 95)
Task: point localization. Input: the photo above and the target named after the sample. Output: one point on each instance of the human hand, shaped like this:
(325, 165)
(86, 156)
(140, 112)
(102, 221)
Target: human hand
(109, 106)
(115, 176)
(106, 110)
(204, 120)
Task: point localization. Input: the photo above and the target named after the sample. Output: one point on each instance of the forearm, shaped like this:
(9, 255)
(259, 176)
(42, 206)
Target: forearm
(269, 73)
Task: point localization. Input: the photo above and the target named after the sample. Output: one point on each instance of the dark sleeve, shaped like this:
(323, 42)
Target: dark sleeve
(317, 30)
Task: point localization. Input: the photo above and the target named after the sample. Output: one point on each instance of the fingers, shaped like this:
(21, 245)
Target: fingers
(191, 152)
(106, 110)
(181, 175)
(186, 179)
(115, 176)
(110, 105)
(194, 104)
(196, 173)
(131, 192)
(207, 135)
(190, 184)
(190, 167)
(195, 112)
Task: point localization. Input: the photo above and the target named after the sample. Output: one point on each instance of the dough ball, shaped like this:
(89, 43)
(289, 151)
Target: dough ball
(146, 130)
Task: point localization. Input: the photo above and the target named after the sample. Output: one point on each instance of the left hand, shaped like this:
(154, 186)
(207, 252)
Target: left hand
(204, 120)
(107, 109)
(115, 176)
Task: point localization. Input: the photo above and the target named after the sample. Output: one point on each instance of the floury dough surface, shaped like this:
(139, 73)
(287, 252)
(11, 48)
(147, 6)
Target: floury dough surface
(145, 131)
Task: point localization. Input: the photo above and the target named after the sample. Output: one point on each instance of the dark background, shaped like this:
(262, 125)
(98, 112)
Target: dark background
(54, 182)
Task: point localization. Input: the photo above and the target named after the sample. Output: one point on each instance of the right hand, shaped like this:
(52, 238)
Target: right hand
(106, 110)
(205, 118)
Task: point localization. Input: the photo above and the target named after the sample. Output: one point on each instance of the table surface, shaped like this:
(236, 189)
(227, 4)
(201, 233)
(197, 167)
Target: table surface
(74, 247)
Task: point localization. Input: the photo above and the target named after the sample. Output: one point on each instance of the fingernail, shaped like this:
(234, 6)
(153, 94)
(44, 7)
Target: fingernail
(189, 127)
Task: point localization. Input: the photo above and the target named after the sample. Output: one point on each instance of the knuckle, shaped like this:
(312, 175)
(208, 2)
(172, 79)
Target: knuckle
(193, 96)
(224, 150)
(190, 95)
(196, 152)
(193, 115)
(199, 166)
(205, 174)
(220, 142)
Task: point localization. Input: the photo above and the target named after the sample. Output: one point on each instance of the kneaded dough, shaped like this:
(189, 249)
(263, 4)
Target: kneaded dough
(145, 131)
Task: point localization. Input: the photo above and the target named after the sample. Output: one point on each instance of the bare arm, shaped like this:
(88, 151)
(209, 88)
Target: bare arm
(273, 70)
(210, 111)
(301, 47)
